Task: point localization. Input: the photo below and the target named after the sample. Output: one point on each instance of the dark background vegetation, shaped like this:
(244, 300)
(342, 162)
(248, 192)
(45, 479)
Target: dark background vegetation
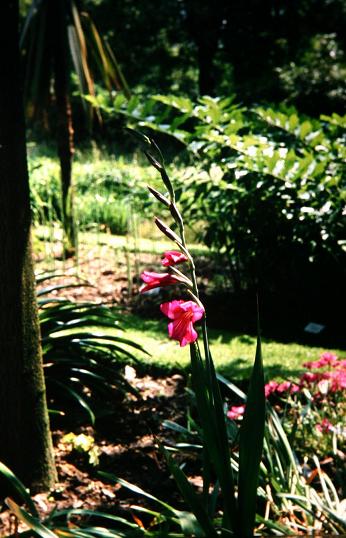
(262, 51)
(267, 53)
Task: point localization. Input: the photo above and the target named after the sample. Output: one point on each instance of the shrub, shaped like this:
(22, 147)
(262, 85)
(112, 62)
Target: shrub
(269, 187)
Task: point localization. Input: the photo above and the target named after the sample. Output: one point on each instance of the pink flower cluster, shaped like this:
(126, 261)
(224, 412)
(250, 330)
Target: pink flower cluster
(319, 383)
(326, 359)
(331, 380)
(182, 313)
(236, 412)
(280, 388)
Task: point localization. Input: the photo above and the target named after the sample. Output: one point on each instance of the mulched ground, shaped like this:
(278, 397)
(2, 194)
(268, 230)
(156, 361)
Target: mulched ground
(126, 442)
(126, 438)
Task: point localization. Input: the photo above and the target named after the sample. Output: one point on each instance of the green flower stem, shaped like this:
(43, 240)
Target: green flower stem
(209, 399)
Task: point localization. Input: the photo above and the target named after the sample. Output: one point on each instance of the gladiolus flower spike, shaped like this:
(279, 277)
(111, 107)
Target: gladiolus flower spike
(184, 314)
(172, 257)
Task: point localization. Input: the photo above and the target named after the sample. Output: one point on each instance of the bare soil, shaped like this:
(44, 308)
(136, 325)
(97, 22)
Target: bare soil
(127, 445)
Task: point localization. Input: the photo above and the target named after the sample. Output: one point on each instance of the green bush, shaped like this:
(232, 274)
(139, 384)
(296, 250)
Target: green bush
(268, 186)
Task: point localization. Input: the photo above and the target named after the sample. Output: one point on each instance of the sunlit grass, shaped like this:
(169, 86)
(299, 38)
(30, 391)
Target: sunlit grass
(233, 353)
(147, 245)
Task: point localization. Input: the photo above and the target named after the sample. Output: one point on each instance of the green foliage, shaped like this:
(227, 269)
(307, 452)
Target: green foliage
(251, 445)
(84, 444)
(293, 497)
(55, 41)
(251, 48)
(83, 362)
(108, 191)
(269, 187)
(292, 500)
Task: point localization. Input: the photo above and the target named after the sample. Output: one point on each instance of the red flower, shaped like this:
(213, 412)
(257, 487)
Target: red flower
(183, 314)
(284, 386)
(326, 359)
(270, 387)
(236, 412)
(158, 280)
(172, 257)
(325, 426)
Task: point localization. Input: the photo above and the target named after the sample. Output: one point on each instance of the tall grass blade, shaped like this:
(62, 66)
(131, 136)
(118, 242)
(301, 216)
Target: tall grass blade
(18, 487)
(214, 434)
(191, 499)
(29, 520)
(251, 446)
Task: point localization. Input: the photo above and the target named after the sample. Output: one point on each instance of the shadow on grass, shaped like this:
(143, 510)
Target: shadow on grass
(240, 369)
(233, 352)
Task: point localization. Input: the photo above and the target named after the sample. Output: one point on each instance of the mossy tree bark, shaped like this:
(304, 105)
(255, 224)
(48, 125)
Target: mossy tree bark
(25, 445)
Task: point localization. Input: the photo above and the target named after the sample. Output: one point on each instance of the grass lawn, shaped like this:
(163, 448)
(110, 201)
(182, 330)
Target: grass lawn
(233, 353)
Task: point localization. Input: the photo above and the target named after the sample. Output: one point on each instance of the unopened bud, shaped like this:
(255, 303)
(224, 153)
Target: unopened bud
(167, 231)
(167, 183)
(153, 161)
(159, 196)
(156, 164)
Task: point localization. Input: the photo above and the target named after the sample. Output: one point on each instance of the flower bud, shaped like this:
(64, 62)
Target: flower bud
(160, 197)
(167, 231)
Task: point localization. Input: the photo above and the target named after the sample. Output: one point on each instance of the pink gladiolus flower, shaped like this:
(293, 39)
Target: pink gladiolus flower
(158, 280)
(183, 314)
(172, 257)
(236, 412)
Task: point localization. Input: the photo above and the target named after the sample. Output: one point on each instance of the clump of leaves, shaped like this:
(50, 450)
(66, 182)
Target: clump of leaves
(85, 353)
(83, 444)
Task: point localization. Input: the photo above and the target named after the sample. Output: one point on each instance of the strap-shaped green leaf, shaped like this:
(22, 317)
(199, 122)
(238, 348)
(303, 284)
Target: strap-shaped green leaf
(251, 446)
(194, 503)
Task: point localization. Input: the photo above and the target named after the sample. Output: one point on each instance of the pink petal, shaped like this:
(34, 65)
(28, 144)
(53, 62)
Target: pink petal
(149, 276)
(190, 336)
(179, 329)
(171, 309)
(196, 310)
(172, 257)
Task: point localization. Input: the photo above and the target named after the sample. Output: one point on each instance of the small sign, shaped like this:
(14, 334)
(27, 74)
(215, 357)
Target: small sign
(314, 328)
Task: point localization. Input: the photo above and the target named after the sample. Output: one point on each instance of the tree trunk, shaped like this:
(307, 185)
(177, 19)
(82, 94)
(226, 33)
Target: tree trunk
(25, 445)
(64, 127)
(65, 152)
(204, 25)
